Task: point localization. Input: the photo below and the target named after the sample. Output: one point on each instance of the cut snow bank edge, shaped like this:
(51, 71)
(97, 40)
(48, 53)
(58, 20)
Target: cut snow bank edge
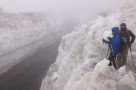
(78, 65)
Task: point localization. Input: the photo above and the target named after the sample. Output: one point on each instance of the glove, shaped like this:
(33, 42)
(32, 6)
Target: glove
(110, 39)
(103, 40)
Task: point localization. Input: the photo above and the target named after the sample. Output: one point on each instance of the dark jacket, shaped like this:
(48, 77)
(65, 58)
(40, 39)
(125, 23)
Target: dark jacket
(130, 37)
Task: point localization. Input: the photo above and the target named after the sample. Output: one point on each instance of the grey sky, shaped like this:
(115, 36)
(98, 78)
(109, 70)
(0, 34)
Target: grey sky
(66, 9)
(54, 5)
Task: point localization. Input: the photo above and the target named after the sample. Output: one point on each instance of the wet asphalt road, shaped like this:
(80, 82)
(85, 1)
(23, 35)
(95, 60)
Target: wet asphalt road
(28, 74)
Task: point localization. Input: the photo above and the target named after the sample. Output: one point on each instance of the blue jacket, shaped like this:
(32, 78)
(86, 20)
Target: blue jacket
(115, 41)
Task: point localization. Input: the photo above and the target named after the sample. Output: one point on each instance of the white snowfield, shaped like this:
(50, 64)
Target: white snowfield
(21, 34)
(79, 65)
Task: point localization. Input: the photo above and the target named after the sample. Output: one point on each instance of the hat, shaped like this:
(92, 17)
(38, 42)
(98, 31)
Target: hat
(123, 24)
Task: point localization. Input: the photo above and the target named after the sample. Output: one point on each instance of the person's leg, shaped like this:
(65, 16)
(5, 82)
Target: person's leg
(110, 59)
(124, 56)
(119, 60)
(114, 61)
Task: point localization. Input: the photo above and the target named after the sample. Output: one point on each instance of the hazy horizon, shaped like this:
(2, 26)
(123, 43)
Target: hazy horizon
(57, 5)
(66, 10)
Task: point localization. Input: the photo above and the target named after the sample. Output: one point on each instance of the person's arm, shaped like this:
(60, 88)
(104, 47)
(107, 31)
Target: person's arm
(132, 37)
(107, 42)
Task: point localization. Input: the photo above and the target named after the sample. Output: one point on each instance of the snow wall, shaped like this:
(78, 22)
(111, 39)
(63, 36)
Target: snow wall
(79, 65)
(21, 34)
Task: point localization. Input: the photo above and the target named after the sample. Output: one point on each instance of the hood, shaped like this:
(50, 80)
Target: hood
(115, 30)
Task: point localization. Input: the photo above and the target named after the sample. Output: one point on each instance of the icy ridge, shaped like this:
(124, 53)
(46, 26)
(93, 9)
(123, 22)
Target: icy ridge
(79, 65)
(20, 35)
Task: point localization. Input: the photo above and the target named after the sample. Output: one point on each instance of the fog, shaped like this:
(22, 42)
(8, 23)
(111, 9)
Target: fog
(28, 25)
(77, 10)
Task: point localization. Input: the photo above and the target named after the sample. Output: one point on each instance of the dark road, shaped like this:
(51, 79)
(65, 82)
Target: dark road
(28, 74)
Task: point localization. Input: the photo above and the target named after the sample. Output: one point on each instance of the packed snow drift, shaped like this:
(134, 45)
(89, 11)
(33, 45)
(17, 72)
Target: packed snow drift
(21, 34)
(79, 65)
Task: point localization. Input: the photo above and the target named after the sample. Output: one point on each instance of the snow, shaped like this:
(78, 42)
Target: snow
(54, 76)
(79, 65)
(107, 34)
(101, 78)
(21, 34)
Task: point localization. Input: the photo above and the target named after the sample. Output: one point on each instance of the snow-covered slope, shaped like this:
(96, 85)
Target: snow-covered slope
(79, 65)
(17, 30)
(22, 33)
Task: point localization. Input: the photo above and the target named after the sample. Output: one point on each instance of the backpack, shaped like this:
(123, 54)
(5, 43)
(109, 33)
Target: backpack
(123, 43)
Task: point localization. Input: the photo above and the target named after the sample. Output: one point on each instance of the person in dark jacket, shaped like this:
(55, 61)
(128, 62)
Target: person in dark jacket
(113, 44)
(129, 38)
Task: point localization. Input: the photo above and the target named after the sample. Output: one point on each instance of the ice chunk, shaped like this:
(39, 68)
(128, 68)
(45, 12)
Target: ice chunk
(107, 34)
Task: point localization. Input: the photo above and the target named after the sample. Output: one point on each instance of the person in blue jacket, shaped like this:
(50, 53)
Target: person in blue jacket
(113, 44)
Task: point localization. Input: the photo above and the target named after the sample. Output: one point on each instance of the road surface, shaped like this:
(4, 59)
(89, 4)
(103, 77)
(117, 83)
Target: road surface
(28, 74)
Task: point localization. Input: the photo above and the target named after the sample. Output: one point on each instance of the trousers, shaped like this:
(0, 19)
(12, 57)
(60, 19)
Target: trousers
(122, 58)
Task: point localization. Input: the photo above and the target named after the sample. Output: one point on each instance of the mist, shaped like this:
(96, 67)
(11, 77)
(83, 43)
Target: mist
(75, 10)
(31, 32)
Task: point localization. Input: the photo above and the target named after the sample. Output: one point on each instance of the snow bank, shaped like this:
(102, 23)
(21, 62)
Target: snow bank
(79, 66)
(83, 42)
(101, 77)
(21, 34)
